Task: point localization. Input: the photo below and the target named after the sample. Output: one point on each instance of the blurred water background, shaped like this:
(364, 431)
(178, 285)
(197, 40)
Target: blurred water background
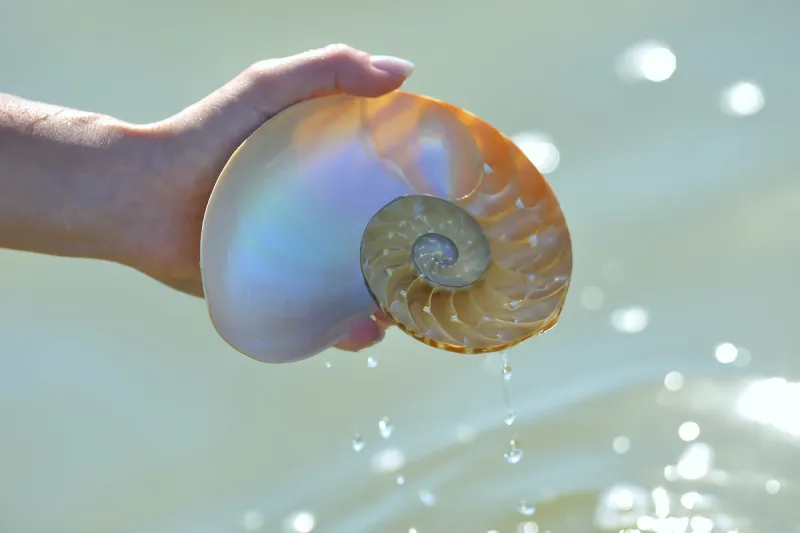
(665, 401)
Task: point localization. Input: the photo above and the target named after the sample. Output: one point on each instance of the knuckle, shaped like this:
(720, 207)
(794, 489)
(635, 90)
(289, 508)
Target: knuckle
(340, 52)
(259, 69)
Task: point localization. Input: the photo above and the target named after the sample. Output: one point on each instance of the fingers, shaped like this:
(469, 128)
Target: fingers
(268, 87)
(276, 84)
(366, 333)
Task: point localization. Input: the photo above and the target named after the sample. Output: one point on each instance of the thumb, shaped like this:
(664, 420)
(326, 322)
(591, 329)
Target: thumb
(268, 87)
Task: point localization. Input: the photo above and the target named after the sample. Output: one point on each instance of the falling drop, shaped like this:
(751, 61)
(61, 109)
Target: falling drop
(514, 453)
(371, 362)
(328, 364)
(400, 479)
(506, 372)
(526, 509)
(386, 428)
(358, 443)
(510, 418)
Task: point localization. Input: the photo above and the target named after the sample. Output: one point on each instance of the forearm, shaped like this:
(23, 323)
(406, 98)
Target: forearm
(63, 188)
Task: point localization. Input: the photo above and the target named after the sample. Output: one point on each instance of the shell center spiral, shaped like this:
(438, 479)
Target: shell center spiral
(435, 247)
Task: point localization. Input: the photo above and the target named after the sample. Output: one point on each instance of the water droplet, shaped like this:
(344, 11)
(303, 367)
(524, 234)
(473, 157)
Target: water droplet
(526, 509)
(427, 498)
(358, 443)
(514, 453)
(506, 372)
(400, 479)
(386, 428)
(328, 364)
(403, 293)
(427, 308)
(510, 418)
(390, 234)
(371, 362)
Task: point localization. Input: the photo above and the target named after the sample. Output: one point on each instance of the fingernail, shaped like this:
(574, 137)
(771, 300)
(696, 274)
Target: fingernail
(394, 65)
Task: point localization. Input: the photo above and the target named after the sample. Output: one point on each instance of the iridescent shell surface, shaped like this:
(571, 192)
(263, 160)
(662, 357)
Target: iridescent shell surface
(341, 202)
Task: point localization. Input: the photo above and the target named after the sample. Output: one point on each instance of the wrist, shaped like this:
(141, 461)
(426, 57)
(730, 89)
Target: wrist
(66, 179)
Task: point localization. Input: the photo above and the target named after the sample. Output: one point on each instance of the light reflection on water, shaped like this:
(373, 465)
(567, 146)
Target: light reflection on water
(662, 479)
(687, 463)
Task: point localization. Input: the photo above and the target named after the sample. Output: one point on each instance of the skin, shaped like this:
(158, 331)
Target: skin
(79, 184)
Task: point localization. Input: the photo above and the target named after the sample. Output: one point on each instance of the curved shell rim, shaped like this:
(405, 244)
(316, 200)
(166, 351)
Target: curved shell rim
(436, 344)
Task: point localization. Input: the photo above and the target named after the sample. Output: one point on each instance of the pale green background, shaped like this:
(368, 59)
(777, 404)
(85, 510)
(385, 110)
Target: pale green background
(121, 411)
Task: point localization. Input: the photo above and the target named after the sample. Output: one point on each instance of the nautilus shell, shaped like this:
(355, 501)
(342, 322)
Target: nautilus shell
(341, 203)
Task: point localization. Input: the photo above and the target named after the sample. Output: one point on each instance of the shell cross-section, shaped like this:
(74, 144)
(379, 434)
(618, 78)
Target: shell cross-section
(437, 239)
(340, 202)
(480, 265)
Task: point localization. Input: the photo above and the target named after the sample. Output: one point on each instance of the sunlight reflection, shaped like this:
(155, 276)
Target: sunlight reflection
(773, 402)
(592, 298)
(650, 60)
(619, 507)
(539, 148)
(773, 486)
(726, 353)
(690, 500)
(689, 431)
(742, 99)
(695, 462)
(631, 509)
(302, 522)
(661, 502)
(673, 381)
(630, 320)
(427, 498)
(621, 444)
(389, 460)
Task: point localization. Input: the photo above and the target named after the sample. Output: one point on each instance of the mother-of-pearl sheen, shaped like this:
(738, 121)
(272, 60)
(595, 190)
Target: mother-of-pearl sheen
(281, 239)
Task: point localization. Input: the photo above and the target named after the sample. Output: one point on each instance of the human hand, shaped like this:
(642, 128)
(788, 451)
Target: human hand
(183, 155)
